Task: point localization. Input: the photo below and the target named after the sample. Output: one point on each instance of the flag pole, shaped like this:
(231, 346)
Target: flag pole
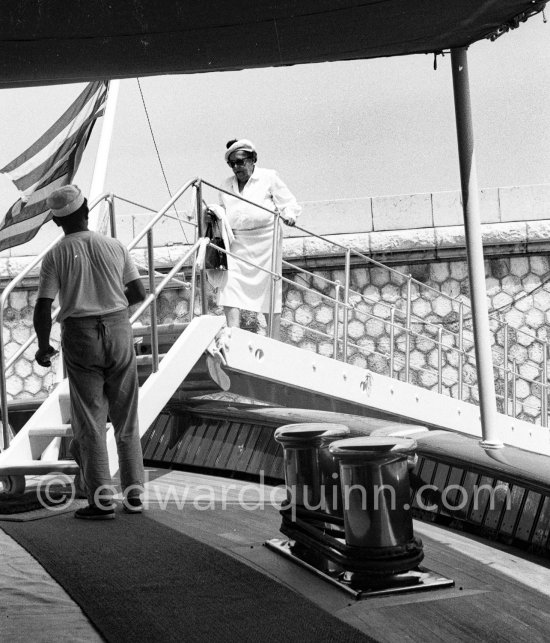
(100, 168)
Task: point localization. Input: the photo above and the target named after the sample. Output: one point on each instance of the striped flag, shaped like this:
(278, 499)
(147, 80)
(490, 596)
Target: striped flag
(48, 164)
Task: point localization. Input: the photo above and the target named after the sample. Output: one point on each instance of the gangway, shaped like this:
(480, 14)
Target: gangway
(260, 368)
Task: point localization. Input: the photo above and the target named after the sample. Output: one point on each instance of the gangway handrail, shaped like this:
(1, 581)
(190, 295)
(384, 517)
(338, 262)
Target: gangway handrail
(4, 366)
(106, 196)
(342, 302)
(238, 196)
(410, 281)
(161, 213)
(158, 289)
(357, 253)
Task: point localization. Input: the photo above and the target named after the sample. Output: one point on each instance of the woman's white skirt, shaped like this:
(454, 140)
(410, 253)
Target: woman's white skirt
(247, 286)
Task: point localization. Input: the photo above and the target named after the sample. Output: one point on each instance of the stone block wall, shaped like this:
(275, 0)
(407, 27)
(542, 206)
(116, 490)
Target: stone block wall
(519, 304)
(517, 271)
(25, 378)
(519, 300)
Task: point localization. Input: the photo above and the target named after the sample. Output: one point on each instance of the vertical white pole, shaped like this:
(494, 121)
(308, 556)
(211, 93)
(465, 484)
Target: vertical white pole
(474, 246)
(100, 169)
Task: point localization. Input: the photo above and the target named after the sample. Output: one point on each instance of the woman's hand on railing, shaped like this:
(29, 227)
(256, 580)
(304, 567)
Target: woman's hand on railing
(289, 219)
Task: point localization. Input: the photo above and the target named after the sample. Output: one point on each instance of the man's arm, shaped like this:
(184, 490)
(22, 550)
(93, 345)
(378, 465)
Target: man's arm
(42, 320)
(135, 292)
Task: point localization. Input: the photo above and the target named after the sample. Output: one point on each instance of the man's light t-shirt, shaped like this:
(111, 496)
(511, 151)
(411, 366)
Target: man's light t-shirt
(89, 271)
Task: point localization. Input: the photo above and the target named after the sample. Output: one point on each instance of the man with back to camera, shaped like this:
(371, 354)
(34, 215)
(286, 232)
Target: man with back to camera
(96, 280)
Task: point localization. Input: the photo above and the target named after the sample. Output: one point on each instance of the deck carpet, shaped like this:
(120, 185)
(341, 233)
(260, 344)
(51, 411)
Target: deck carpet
(137, 580)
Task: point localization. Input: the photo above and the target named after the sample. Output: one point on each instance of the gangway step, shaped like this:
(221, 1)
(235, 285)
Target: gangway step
(140, 330)
(167, 335)
(199, 379)
(146, 360)
(59, 431)
(39, 467)
(199, 370)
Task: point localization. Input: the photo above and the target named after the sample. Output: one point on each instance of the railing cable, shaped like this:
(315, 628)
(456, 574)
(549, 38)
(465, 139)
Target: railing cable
(158, 156)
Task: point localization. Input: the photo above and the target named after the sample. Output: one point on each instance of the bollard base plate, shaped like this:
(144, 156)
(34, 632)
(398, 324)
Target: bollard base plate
(360, 585)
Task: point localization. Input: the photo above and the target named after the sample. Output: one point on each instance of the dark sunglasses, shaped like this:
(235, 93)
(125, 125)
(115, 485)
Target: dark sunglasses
(238, 162)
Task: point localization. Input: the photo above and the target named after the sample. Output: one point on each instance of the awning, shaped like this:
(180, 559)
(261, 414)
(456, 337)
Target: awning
(59, 41)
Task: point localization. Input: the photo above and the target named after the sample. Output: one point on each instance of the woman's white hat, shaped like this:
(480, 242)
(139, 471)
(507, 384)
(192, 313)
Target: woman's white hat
(242, 144)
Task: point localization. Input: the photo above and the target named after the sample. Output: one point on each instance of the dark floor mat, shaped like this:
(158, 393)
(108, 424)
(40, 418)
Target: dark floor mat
(138, 580)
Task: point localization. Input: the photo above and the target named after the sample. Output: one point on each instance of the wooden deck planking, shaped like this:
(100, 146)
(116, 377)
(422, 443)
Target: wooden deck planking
(503, 609)
(542, 530)
(184, 438)
(215, 441)
(486, 604)
(233, 432)
(252, 442)
(200, 445)
(499, 595)
(531, 507)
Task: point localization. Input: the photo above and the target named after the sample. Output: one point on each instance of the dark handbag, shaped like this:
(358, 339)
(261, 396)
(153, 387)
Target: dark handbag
(214, 259)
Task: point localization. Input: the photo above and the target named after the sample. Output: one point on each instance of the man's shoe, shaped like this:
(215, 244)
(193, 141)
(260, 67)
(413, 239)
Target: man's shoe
(93, 512)
(132, 505)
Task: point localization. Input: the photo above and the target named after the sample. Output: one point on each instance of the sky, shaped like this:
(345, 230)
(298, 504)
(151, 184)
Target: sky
(332, 130)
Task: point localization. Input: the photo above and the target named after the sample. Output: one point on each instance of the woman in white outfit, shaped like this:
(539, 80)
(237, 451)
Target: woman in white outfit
(246, 287)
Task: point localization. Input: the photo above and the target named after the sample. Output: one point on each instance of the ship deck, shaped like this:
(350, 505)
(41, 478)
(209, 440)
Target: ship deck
(499, 593)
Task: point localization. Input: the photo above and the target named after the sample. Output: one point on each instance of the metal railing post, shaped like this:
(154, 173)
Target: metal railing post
(5, 434)
(193, 292)
(345, 319)
(337, 288)
(439, 360)
(112, 218)
(164, 281)
(201, 228)
(514, 390)
(5, 437)
(275, 275)
(196, 231)
(153, 305)
(506, 368)
(461, 351)
(544, 386)
(392, 342)
(408, 329)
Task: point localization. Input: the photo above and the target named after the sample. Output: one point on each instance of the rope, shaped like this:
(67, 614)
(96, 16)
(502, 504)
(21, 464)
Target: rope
(158, 157)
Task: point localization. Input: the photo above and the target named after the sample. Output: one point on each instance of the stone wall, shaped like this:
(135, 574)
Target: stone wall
(519, 302)
(517, 288)
(517, 271)
(25, 378)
